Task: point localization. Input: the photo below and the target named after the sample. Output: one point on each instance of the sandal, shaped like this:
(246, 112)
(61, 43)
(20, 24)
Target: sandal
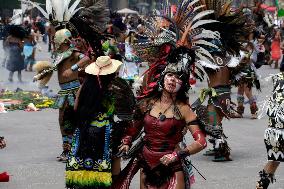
(63, 157)
(210, 152)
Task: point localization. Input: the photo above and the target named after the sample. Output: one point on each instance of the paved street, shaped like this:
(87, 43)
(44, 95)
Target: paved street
(33, 142)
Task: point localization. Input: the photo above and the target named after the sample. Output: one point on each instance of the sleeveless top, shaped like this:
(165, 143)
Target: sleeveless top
(161, 138)
(162, 135)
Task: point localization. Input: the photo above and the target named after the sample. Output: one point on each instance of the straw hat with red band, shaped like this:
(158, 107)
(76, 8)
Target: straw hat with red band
(104, 65)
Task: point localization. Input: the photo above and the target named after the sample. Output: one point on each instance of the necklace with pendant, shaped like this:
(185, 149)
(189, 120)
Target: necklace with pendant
(162, 116)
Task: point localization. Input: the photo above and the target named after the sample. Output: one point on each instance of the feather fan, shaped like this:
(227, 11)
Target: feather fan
(124, 99)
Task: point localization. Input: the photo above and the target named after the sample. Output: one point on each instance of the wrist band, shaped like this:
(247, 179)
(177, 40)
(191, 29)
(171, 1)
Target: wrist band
(183, 154)
(175, 154)
(75, 67)
(81, 56)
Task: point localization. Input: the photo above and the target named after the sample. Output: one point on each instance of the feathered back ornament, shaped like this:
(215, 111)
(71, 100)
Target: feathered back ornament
(231, 26)
(124, 99)
(94, 13)
(175, 32)
(184, 28)
(91, 22)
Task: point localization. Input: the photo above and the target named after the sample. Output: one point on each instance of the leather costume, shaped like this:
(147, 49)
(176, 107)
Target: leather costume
(161, 138)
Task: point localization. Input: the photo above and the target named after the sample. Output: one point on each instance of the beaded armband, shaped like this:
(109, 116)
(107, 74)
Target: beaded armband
(75, 67)
(194, 122)
(183, 154)
(81, 56)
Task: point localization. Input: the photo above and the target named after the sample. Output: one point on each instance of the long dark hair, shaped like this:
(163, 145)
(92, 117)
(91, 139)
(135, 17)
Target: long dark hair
(91, 96)
(17, 31)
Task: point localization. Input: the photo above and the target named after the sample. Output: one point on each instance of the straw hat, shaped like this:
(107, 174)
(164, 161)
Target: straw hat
(104, 65)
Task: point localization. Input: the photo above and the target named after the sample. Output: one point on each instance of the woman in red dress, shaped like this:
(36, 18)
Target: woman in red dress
(164, 114)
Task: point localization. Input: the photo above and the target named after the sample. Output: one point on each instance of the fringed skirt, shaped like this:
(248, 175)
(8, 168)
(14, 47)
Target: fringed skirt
(274, 141)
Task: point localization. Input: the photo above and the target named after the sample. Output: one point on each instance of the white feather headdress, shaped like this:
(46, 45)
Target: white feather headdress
(58, 10)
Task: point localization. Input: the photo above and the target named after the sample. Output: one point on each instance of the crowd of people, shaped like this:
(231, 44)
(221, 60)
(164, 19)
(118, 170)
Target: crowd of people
(108, 111)
(20, 43)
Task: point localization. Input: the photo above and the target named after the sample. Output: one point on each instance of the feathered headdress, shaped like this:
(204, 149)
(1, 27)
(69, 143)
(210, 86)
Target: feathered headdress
(57, 11)
(170, 32)
(85, 18)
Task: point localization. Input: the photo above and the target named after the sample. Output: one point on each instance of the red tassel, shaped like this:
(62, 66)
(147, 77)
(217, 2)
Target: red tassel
(192, 81)
(4, 177)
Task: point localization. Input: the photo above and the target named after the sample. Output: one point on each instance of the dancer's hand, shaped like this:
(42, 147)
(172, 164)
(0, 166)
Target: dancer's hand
(169, 158)
(123, 148)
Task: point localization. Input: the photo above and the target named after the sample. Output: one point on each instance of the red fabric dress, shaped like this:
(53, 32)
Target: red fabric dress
(161, 138)
(275, 50)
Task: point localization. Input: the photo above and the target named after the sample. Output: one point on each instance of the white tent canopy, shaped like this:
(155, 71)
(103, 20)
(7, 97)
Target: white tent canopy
(127, 11)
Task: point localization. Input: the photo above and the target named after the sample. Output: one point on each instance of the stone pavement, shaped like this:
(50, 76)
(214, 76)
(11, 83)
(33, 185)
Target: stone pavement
(33, 142)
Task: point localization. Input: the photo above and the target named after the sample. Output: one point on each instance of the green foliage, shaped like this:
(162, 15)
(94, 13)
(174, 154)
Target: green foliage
(24, 98)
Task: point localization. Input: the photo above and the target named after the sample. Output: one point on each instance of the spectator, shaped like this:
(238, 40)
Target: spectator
(29, 50)
(140, 35)
(275, 48)
(14, 46)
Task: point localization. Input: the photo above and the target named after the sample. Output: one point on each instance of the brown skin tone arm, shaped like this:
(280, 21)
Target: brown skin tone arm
(192, 148)
(81, 63)
(189, 116)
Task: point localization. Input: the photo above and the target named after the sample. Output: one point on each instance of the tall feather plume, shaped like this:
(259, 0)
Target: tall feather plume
(190, 18)
(188, 22)
(48, 7)
(72, 10)
(34, 4)
(60, 10)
